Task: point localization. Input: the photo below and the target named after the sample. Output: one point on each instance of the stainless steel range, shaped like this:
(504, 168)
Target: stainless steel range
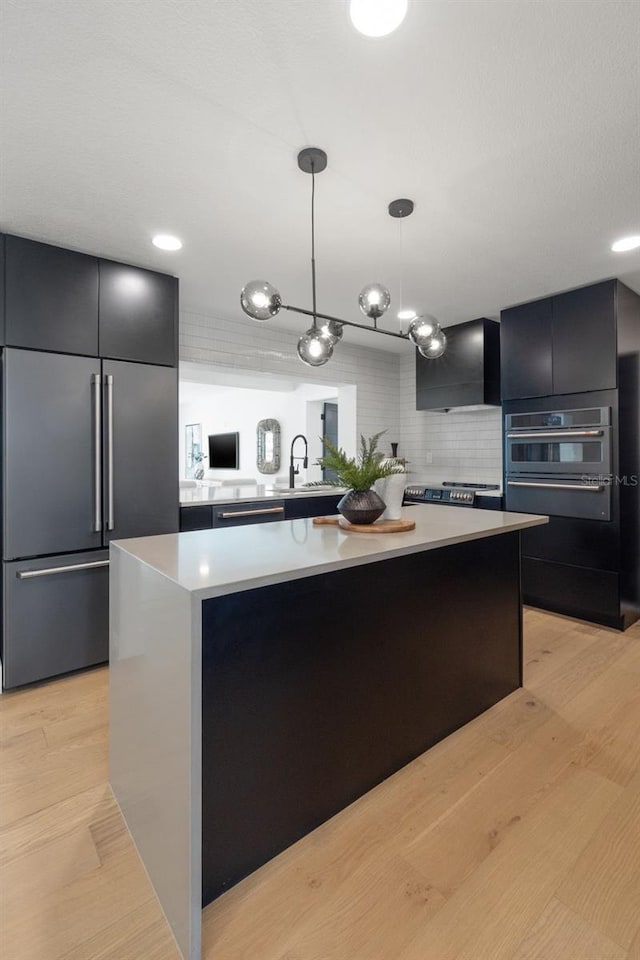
(453, 494)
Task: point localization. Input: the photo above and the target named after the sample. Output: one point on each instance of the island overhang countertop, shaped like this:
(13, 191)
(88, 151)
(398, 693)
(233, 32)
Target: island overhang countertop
(213, 563)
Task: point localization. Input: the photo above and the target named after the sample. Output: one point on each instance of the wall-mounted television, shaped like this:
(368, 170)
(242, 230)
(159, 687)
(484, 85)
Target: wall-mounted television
(224, 451)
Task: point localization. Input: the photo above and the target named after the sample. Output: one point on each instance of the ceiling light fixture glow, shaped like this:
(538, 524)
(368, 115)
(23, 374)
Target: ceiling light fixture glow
(377, 18)
(406, 314)
(165, 241)
(625, 244)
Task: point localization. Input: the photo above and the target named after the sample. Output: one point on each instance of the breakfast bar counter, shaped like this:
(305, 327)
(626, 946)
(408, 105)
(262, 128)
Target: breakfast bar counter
(264, 677)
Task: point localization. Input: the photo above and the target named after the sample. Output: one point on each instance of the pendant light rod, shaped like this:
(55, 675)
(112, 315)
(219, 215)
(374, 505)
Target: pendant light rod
(313, 241)
(346, 323)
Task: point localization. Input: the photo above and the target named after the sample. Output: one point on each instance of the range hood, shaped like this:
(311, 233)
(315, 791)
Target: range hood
(467, 375)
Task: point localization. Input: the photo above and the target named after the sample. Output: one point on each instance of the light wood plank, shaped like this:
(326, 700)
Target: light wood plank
(488, 916)
(604, 884)
(560, 934)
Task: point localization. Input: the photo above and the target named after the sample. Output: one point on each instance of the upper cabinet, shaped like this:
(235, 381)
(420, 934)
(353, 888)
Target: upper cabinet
(525, 350)
(584, 339)
(51, 298)
(65, 302)
(562, 344)
(467, 374)
(138, 314)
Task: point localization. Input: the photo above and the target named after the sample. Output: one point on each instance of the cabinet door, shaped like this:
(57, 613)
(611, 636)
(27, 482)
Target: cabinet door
(243, 514)
(584, 339)
(311, 506)
(51, 435)
(51, 298)
(138, 314)
(56, 616)
(526, 362)
(141, 465)
(1, 289)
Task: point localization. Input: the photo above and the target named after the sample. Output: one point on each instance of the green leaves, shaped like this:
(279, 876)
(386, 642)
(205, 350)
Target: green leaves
(358, 473)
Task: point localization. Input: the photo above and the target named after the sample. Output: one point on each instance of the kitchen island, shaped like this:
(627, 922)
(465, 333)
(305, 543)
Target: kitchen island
(262, 678)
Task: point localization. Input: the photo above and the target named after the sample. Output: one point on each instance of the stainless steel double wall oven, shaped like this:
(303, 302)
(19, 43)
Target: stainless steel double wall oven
(560, 462)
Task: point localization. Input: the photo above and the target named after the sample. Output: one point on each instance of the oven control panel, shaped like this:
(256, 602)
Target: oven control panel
(456, 498)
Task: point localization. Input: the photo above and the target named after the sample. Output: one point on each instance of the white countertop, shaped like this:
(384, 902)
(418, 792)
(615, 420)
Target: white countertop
(197, 496)
(211, 563)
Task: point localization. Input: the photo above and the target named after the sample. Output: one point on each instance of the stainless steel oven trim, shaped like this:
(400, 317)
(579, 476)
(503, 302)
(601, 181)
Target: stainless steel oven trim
(546, 485)
(555, 434)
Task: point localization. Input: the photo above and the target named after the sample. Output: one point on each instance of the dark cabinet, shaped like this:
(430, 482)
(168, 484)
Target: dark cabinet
(526, 348)
(1, 289)
(584, 339)
(467, 374)
(198, 517)
(138, 314)
(242, 514)
(51, 298)
(298, 507)
(141, 472)
(562, 344)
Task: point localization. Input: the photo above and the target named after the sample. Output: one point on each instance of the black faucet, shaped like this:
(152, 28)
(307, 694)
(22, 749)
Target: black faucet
(305, 460)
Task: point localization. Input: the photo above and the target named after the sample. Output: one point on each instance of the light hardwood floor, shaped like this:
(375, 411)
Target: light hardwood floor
(517, 838)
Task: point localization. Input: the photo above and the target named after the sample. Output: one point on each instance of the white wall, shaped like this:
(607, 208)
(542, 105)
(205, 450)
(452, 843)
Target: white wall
(239, 345)
(464, 445)
(457, 446)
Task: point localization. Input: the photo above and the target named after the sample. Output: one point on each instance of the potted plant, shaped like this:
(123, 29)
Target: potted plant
(361, 504)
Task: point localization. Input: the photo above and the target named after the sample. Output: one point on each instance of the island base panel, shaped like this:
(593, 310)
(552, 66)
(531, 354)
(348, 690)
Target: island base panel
(316, 690)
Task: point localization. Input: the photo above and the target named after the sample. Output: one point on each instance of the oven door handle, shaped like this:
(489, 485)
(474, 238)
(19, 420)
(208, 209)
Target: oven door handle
(556, 434)
(543, 485)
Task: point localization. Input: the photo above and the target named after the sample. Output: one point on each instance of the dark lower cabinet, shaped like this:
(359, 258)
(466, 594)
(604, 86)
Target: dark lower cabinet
(311, 506)
(575, 591)
(138, 314)
(55, 615)
(205, 516)
(51, 298)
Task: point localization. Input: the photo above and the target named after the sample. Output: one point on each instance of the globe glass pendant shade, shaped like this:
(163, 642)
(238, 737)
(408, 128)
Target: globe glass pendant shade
(374, 300)
(435, 347)
(260, 300)
(330, 330)
(314, 349)
(421, 329)
(377, 18)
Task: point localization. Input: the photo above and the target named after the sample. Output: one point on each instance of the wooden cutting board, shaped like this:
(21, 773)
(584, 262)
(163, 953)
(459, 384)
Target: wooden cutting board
(384, 526)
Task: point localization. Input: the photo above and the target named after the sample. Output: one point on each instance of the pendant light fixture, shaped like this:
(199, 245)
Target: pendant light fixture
(261, 301)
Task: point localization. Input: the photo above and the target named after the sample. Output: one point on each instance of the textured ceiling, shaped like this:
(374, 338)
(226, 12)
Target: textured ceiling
(515, 127)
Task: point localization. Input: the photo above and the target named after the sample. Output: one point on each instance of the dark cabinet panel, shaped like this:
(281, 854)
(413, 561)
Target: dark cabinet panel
(196, 518)
(51, 472)
(1, 289)
(311, 506)
(242, 514)
(584, 339)
(138, 314)
(468, 373)
(56, 616)
(51, 298)
(574, 591)
(142, 482)
(526, 351)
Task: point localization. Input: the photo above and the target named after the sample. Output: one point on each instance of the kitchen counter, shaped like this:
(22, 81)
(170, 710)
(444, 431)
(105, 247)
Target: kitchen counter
(244, 558)
(264, 677)
(250, 493)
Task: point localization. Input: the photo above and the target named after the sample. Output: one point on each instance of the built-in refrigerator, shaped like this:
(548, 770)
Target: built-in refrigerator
(89, 455)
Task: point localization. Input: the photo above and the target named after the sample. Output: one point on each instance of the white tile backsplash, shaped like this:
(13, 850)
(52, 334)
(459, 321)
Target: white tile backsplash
(464, 445)
(246, 345)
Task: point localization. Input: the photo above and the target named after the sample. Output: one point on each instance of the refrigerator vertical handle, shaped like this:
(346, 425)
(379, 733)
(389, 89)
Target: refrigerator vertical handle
(96, 389)
(110, 508)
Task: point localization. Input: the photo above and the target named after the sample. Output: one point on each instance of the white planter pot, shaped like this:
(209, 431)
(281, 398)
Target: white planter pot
(391, 489)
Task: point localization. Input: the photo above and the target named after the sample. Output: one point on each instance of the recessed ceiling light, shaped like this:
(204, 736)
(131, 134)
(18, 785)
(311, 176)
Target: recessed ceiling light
(625, 243)
(377, 18)
(165, 241)
(406, 314)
